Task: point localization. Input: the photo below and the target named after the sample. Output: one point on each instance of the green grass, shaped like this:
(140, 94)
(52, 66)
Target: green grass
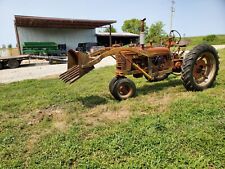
(196, 40)
(49, 124)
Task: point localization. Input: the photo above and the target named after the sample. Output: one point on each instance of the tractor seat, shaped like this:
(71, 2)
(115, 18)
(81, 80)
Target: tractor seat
(183, 43)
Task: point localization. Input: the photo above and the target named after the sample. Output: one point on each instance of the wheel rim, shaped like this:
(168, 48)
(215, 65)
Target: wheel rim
(124, 89)
(204, 69)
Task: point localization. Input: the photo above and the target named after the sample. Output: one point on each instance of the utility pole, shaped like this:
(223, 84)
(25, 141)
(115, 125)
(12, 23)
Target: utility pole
(172, 14)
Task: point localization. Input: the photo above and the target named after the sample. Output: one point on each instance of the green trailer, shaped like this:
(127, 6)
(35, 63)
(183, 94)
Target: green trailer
(42, 48)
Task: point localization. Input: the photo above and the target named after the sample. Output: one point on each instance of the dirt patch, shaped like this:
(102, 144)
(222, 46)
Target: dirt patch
(57, 117)
(32, 141)
(118, 115)
(101, 114)
(34, 138)
(161, 102)
(37, 118)
(60, 121)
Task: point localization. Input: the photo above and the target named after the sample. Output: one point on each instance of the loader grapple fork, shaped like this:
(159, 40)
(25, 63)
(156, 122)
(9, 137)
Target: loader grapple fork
(75, 70)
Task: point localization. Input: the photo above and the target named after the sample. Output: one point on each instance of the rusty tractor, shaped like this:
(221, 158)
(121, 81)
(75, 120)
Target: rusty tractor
(198, 68)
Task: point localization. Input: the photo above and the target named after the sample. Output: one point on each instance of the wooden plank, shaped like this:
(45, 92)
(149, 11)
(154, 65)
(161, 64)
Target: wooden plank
(15, 57)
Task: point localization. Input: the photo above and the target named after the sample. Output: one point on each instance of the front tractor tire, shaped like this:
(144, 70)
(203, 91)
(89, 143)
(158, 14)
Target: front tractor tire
(200, 68)
(122, 88)
(111, 84)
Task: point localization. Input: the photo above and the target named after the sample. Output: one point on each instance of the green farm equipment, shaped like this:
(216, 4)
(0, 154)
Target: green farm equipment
(42, 48)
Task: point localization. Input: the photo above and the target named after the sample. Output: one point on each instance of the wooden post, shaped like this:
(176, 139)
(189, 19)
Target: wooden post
(110, 35)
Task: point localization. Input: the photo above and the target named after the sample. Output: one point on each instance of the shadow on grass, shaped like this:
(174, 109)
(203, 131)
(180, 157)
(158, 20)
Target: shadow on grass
(158, 86)
(92, 101)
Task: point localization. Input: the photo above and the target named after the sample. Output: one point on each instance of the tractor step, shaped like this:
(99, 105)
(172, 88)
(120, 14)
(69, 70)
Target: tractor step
(74, 73)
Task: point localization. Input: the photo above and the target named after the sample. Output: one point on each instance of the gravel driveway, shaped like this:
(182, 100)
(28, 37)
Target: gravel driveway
(39, 70)
(42, 69)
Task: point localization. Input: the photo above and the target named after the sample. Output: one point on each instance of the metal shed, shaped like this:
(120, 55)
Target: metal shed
(123, 38)
(59, 30)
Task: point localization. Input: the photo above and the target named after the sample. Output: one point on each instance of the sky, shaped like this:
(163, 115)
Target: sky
(191, 18)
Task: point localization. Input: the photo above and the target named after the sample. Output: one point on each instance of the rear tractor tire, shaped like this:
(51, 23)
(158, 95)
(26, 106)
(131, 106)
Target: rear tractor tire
(1, 66)
(122, 88)
(200, 68)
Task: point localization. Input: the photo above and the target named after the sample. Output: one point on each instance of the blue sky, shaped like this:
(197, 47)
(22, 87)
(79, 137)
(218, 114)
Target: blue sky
(192, 17)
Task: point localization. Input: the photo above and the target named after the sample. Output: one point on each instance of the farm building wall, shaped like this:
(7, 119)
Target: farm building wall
(70, 37)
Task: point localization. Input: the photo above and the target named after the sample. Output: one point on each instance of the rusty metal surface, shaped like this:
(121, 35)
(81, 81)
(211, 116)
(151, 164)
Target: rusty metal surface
(129, 60)
(134, 60)
(203, 67)
(74, 74)
(75, 70)
(153, 63)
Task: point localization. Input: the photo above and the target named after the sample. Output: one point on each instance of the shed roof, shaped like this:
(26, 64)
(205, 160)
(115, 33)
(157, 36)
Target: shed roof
(123, 34)
(48, 22)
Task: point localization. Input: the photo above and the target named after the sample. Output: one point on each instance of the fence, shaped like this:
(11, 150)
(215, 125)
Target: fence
(9, 52)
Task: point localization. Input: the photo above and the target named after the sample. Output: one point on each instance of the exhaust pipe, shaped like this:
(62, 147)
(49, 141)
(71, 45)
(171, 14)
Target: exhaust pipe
(142, 33)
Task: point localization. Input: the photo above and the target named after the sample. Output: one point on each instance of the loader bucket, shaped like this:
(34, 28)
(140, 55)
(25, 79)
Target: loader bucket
(75, 62)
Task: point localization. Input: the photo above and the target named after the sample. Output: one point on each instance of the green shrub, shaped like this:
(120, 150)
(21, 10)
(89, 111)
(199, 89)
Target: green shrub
(209, 38)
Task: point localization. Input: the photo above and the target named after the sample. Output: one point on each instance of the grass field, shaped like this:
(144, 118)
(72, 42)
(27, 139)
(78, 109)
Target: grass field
(196, 40)
(49, 124)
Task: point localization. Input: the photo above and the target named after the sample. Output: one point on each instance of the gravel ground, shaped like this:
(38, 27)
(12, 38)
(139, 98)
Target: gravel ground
(40, 69)
(37, 69)
(219, 46)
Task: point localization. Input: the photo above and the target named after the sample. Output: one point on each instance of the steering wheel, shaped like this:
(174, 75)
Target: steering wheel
(174, 37)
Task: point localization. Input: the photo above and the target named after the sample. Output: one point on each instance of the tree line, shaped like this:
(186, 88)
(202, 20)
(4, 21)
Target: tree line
(155, 32)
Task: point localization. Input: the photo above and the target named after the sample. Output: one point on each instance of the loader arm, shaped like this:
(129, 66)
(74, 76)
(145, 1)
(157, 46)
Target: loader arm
(80, 63)
(99, 55)
(113, 51)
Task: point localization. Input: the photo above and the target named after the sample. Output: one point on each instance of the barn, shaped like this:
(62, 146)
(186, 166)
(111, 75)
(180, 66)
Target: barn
(58, 30)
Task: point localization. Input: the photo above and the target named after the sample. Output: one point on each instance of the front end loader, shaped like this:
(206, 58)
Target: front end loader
(198, 69)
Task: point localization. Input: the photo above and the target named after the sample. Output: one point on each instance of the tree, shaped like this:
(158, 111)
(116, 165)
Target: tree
(156, 33)
(10, 46)
(133, 26)
(113, 30)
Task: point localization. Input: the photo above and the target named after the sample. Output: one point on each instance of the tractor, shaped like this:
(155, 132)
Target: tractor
(198, 68)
